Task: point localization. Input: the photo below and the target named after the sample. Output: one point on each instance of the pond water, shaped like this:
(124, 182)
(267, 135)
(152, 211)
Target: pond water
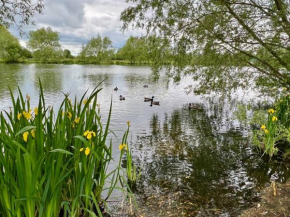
(194, 162)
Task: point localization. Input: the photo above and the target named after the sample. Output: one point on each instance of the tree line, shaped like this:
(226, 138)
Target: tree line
(44, 46)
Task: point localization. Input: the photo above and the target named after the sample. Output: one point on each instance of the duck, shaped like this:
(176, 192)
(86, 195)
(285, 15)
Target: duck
(145, 86)
(147, 99)
(116, 89)
(122, 97)
(193, 106)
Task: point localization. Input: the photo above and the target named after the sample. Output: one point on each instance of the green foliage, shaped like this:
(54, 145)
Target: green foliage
(134, 50)
(67, 54)
(23, 10)
(274, 134)
(228, 37)
(45, 45)
(54, 161)
(131, 169)
(10, 49)
(97, 49)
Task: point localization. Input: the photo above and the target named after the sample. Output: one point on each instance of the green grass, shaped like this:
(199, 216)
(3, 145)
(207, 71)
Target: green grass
(48, 163)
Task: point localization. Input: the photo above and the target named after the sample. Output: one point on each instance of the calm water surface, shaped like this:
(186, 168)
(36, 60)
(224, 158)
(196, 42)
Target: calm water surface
(194, 162)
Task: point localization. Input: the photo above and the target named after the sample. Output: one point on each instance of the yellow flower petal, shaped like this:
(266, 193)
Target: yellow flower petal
(89, 136)
(263, 127)
(33, 133)
(77, 120)
(85, 101)
(87, 151)
(81, 149)
(69, 115)
(271, 111)
(25, 136)
(274, 118)
(266, 131)
(86, 133)
(36, 111)
(19, 116)
(27, 115)
(122, 146)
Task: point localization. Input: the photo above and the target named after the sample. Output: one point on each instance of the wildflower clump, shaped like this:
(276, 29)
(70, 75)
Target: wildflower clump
(276, 128)
(42, 156)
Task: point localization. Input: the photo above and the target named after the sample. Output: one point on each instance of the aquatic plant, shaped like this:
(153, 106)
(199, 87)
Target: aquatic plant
(131, 169)
(274, 135)
(55, 163)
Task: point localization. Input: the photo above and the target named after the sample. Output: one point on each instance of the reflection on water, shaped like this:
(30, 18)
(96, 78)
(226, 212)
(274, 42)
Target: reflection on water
(191, 160)
(208, 171)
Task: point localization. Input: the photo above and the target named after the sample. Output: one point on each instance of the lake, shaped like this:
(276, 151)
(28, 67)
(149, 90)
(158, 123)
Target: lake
(193, 162)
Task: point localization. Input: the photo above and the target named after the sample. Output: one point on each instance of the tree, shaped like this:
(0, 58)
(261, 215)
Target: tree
(19, 11)
(134, 50)
(238, 40)
(67, 54)
(97, 49)
(145, 50)
(45, 44)
(10, 49)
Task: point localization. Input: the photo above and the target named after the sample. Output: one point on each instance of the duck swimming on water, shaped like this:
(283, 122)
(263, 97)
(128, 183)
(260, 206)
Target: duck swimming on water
(193, 106)
(147, 99)
(155, 103)
(122, 97)
(116, 89)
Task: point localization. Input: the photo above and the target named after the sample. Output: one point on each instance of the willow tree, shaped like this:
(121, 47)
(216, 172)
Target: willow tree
(10, 48)
(19, 12)
(239, 41)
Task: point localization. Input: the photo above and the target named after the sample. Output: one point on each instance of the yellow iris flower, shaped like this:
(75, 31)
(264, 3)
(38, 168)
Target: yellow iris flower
(271, 111)
(27, 115)
(274, 118)
(87, 151)
(122, 146)
(266, 131)
(263, 127)
(89, 134)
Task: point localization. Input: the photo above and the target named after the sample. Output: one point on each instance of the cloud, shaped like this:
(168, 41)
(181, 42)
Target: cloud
(78, 21)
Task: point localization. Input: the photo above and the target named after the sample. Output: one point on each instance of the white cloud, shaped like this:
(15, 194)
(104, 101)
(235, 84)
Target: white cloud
(78, 21)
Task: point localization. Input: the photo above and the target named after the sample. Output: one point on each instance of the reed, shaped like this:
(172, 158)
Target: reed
(55, 163)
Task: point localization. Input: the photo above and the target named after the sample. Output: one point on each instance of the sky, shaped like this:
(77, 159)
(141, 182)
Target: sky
(77, 21)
